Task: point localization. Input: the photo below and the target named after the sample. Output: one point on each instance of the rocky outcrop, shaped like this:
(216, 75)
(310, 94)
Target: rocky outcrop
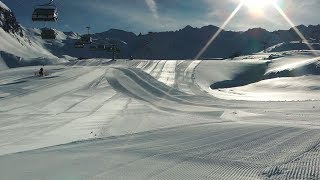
(8, 22)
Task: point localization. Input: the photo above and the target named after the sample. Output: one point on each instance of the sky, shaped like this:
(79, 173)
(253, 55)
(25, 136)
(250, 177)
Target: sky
(166, 15)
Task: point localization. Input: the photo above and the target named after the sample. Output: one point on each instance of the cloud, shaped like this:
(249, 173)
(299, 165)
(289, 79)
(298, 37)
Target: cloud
(153, 8)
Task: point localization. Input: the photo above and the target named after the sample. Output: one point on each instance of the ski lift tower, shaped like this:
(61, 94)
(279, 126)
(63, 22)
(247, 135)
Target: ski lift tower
(88, 29)
(114, 50)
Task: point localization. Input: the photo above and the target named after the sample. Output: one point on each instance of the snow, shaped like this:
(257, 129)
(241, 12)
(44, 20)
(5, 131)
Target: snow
(251, 117)
(2, 5)
(141, 119)
(293, 45)
(290, 77)
(16, 48)
(20, 49)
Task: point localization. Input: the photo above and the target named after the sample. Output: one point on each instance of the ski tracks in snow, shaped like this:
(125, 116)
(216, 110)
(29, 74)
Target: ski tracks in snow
(154, 122)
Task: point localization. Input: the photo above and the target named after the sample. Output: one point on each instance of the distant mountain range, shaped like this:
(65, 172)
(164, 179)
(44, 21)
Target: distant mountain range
(187, 42)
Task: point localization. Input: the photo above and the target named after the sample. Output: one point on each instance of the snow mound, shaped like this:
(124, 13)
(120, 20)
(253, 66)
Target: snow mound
(293, 76)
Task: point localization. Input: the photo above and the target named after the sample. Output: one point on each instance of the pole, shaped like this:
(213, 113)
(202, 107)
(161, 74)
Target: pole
(88, 28)
(113, 52)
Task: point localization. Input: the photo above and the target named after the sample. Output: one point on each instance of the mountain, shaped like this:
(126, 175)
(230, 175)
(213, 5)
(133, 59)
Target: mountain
(8, 21)
(187, 42)
(19, 46)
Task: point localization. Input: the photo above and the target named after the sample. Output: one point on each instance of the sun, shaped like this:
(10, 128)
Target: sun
(258, 7)
(257, 4)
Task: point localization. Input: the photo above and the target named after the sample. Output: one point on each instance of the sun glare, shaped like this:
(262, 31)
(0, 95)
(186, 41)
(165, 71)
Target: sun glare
(258, 4)
(257, 7)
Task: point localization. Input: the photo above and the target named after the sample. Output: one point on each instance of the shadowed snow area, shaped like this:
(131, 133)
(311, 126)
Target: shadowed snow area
(141, 119)
(291, 76)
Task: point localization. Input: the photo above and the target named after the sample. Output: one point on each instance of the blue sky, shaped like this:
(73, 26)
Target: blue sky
(164, 15)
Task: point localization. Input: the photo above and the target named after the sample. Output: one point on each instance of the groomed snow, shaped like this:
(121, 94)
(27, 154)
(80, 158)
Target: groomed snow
(142, 119)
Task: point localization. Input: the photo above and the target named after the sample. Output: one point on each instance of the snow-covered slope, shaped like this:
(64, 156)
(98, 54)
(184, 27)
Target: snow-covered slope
(249, 117)
(22, 46)
(292, 75)
(160, 120)
(294, 45)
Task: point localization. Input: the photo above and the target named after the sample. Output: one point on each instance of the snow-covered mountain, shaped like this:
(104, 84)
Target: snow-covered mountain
(19, 46)
(187, 42)
(175, 45)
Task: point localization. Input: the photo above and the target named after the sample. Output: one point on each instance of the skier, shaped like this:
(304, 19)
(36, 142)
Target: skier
(41, 72)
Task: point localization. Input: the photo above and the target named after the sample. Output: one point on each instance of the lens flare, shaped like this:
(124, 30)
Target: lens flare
(303, 38)
(256, 4)
(257, 8)
(219, 31)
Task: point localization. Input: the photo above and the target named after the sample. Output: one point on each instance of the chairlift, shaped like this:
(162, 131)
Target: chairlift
(79, 44)
(86, 39)
(45, 12)
(48, 33)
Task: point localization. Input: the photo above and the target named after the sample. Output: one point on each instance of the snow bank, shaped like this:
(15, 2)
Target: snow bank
(289, 78)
